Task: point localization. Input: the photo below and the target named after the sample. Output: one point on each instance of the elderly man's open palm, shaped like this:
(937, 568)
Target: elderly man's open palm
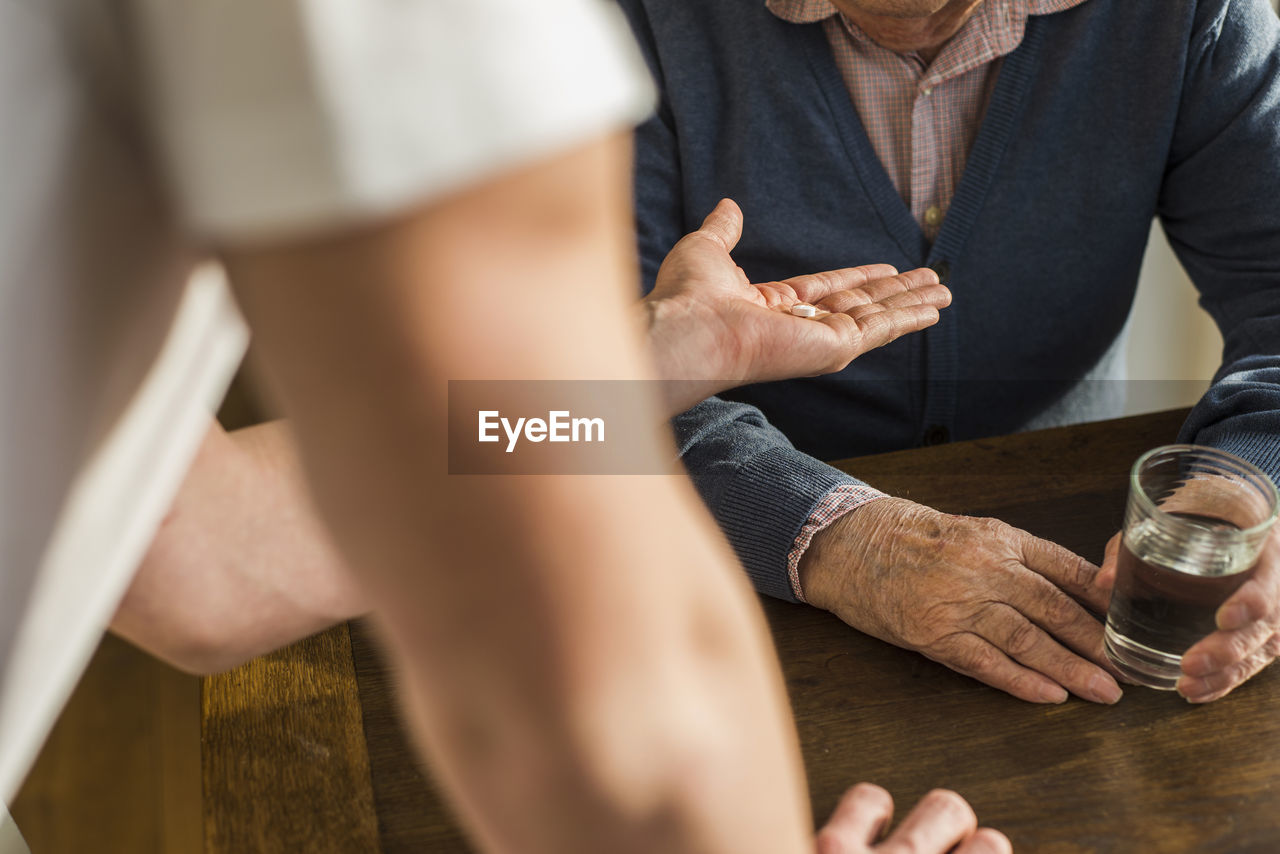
(711, 325)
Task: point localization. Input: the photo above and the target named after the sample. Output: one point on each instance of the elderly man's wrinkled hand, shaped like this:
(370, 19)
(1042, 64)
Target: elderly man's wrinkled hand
(984, 598)
(1248, 635)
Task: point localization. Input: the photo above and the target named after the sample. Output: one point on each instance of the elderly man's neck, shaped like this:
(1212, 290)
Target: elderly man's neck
(910, 26)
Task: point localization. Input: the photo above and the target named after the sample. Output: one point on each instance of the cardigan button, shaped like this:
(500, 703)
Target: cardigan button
(943, 269)
(937, 434)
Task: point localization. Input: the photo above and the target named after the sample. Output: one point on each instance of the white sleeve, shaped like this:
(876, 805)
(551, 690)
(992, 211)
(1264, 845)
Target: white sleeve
(279, 117)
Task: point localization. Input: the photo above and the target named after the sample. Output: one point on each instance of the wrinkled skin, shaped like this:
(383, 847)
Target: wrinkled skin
(984, 598)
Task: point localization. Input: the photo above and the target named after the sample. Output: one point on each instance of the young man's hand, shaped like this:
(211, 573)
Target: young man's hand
(942, 822)
(711, 329)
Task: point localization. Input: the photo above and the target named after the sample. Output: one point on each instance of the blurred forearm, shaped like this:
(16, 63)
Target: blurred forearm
(578, 655)
(242, 564)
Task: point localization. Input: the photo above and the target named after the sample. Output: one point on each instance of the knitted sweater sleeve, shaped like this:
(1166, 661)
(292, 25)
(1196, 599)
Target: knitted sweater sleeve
(760, 489)
(1220, 205)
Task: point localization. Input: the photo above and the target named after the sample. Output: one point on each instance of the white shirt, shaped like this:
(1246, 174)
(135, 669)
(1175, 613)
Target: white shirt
(132, 132)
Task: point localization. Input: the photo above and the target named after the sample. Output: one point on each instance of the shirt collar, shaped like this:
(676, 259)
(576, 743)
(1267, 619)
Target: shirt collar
(811, 11)
(801, 11)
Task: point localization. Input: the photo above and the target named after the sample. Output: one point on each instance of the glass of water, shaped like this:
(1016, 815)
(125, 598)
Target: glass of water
(1195, 524)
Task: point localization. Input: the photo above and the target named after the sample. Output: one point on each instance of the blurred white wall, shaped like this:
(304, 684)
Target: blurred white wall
(1174, 347)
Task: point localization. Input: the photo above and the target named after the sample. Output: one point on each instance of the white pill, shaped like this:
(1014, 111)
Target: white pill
(803, 309)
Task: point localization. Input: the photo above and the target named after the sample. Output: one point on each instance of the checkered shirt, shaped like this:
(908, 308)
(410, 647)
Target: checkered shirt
(921, 119)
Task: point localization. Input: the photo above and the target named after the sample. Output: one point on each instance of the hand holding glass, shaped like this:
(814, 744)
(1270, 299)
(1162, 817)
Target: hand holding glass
(1196, 521)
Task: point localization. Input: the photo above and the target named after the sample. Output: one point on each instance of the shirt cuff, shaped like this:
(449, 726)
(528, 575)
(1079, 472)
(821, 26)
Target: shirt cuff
(834, 505)
(764, 505)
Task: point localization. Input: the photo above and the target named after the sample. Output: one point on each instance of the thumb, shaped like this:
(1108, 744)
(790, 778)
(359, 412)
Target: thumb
(1106, 578)
(723, 224)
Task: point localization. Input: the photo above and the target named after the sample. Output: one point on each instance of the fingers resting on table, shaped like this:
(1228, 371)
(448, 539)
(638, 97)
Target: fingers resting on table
(985, 599)
(942, 822)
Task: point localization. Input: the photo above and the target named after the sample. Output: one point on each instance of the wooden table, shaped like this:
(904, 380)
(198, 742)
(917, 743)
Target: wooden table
(302, 751)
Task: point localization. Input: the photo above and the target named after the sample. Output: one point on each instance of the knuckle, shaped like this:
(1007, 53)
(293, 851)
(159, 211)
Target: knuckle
(1013, 566)
(941, 619)
(944, 648)
(1241, 644)
(990, 525)
(1021, 639)
(1234, 655)
(1061, 610)
(1080, 572)
(1255, 665)
(1074, 672)
(1272, 647)
(980, 659)
(950, 805)
(948, 648)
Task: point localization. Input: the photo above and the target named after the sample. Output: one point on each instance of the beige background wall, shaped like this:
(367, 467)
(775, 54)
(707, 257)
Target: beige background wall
(1174, 347)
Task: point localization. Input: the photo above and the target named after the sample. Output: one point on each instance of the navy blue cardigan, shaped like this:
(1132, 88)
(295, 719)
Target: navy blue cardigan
(1107, 115)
